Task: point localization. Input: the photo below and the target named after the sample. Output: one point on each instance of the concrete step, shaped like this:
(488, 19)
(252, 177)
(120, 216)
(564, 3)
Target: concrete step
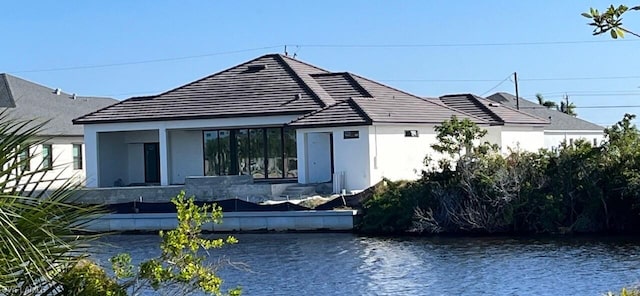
(297, 191)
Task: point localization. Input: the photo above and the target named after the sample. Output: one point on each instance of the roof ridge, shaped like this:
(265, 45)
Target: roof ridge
(482, 106)
(301, 62)
(302, 81)
(351, 102)
(358, 85)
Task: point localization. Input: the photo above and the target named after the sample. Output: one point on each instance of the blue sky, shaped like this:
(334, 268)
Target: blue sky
(429, 48)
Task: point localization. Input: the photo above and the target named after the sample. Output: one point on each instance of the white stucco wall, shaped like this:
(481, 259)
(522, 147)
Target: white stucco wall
(553, 139)
(350, 156)
(185, 153)
(396, 157)
(62, 166)
(524, 138)
(494, 135)
(176, 165)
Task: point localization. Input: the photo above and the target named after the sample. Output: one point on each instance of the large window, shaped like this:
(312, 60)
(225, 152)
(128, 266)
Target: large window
(47, 156)
(264, 153)
(77, 156)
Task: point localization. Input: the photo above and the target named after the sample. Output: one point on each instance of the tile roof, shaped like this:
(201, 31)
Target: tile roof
(275, 84)
(268, 85)
(558, 121)
(343, 113)
(341, 86)
(493, 112)
(26, 100)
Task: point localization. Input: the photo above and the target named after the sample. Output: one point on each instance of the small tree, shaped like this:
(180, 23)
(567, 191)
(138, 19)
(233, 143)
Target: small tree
(181, 267)
(456, 138)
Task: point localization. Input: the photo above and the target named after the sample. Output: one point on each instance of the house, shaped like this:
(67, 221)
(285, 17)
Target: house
(562, 127)
(508, 128)
(63, 152)
(277, 119)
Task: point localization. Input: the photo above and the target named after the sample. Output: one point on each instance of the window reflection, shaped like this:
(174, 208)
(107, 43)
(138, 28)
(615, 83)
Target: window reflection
(274, 151)
(290, 154)
(261, 152)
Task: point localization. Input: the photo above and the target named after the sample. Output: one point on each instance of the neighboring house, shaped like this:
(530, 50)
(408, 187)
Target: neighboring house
(63, 153)
(509, 128)
(274, 118)
(562, 127)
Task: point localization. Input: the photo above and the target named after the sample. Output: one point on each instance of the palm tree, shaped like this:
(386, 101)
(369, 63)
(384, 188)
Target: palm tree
(40, 228)
(567, 107)
(548, 104)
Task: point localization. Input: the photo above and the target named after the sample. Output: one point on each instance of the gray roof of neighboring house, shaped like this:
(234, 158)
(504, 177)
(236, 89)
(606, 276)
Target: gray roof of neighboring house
(493, 112)
(274, 84)
(558, 120)
(25, 100)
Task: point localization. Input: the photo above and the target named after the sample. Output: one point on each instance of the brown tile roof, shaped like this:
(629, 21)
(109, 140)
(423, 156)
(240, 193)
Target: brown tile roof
(268, 85)
(343, 113)
(276, 84)
(494, 113)
(341, 86)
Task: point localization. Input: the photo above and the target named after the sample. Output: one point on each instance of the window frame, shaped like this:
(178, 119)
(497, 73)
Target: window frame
(77, 159)
(351, 134)
(411, 134)
(47, 159)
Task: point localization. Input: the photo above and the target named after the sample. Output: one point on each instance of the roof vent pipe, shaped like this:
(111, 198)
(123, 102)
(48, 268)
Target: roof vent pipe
(57, 91)
(73, 96)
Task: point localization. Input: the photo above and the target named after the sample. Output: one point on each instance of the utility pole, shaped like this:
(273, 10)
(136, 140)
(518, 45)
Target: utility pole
(515, 79)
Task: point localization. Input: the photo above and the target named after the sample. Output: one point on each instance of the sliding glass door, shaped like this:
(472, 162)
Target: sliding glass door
(264, 153)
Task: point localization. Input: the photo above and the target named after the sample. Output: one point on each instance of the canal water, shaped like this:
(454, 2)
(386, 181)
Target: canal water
(347, 264)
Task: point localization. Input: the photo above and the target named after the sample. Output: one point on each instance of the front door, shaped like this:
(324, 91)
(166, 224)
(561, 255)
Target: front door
(319, 157)
(151, 163)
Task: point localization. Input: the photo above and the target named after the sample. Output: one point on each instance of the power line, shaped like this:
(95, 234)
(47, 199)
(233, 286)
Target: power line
(497, 85)
(608, 106)
(81, 67)
(459, 44)
(582, 78)
(521, 79)
(144, 61)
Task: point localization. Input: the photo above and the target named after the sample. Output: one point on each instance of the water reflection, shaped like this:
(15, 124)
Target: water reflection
(345, 264)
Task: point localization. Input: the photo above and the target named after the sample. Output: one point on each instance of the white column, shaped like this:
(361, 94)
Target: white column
(301, 150)
(164, 156)
(91, 157)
